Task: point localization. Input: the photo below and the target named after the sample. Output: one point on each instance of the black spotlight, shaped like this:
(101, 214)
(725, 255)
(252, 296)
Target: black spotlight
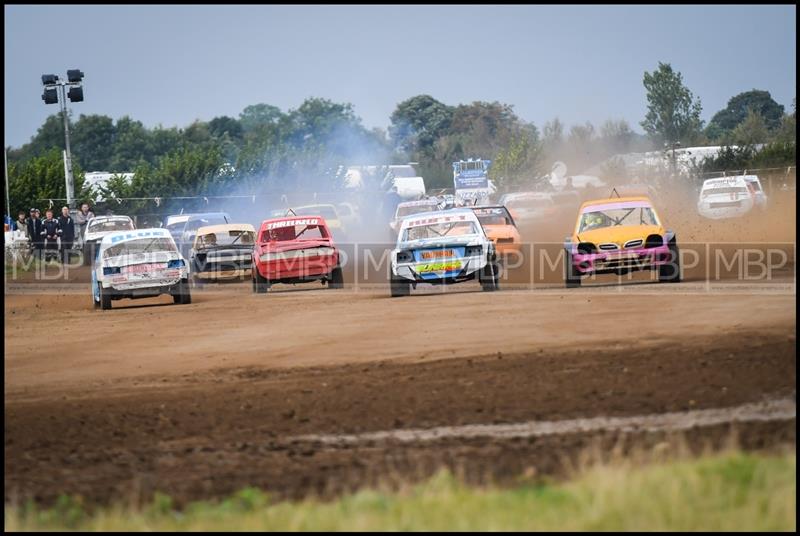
(50, 95)
(48, 79)
(74, 75)
(75, 94)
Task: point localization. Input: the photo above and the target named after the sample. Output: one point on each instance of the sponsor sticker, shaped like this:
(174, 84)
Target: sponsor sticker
(446, 266)
(440, 219)
(438, 254)
(143, 268)
(292, 223)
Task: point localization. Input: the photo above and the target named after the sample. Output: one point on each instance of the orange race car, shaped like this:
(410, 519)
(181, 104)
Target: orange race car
(500, 228)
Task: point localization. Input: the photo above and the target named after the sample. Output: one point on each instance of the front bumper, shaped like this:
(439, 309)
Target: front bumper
(625, 260)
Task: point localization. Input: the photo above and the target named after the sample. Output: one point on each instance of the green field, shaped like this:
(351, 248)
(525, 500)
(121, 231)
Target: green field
(732, 491)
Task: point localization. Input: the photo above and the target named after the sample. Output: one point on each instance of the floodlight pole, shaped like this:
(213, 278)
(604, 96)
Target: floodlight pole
(68, 163)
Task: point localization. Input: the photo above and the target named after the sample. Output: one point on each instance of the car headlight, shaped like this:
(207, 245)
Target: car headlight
(110, 270)
(405, 256)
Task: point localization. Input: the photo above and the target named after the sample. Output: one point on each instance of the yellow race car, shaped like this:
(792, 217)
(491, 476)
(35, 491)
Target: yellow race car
(620, 235)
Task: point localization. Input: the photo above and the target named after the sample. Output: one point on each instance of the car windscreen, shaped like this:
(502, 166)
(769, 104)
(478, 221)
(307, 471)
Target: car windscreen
(140, 246)
(226, 238)
(530, 203)
(326, 212)
(294, 232)
(407, 210)
(494, 217)
(110, 225)
(438, 230)
(599, 219)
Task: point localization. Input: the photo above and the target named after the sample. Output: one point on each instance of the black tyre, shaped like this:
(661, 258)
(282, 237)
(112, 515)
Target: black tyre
(399, 287)
(260, 284)
(671, 272)
(88, 254)
(337, 278)
(105, 298)
(181, 294)
(571, 277)
(489, 277)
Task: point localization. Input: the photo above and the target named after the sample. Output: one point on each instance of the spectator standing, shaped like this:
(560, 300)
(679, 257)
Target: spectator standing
(10, 225)
(83, 217)
(51, 231)
(22, 223)
(67, 225)
(36, 233)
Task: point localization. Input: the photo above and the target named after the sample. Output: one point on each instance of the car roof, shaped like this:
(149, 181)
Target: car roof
(225, 227)
(136, 233)
(609, 200)
(112, 217)
(300, 217)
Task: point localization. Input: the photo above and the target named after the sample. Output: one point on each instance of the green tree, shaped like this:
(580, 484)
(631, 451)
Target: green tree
(257, 116)
(35, 181)
(673, 114)
(753, 130)
(418, 122)
(727, 119)
(131, 145)
(520, 163)
(49, 135)
(226, 125)
(92, 141)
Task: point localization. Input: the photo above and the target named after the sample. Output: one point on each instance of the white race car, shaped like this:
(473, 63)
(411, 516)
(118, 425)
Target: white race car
(97, 228)
(725, 197)
(442, 247)
(408, 208)
(139, 264)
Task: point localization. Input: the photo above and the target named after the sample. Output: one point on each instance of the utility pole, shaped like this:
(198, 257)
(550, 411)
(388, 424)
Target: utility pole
(75, 94)
(8, 198)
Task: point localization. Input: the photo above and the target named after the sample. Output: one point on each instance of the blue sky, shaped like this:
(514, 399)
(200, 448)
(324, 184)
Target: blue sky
(171, 65)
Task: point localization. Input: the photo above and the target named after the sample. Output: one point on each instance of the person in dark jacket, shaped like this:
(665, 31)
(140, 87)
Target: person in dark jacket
(67, 225)
(35, 233)
(51, 231)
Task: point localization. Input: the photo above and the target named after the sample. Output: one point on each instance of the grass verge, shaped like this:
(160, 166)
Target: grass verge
(730, 491)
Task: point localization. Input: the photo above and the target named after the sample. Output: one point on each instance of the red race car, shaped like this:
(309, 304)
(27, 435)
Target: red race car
(295, 249)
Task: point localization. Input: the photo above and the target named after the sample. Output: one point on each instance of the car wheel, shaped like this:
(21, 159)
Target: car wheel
(400, 287)
(181, 294)
(337, 278)
(105, 298)
(260, 283)
(571, 278)
(671, 272)
(489, 277)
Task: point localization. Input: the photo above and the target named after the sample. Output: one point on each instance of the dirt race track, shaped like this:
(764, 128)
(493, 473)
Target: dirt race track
(309, 390)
